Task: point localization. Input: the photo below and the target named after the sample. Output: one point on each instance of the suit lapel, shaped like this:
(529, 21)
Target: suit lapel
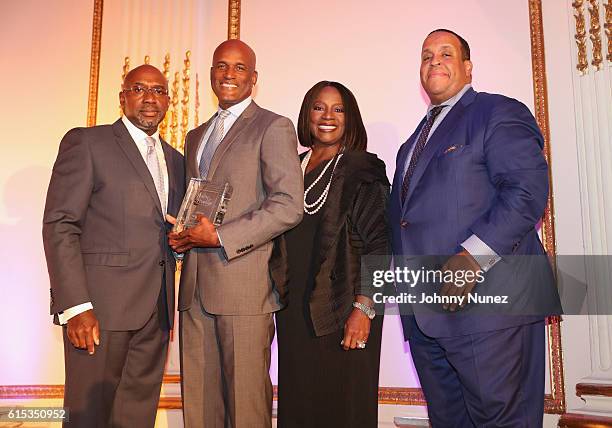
(239, 125)
(452, 119)
(124, 140)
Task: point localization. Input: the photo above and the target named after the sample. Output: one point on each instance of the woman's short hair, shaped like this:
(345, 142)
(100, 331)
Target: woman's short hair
(355, 136)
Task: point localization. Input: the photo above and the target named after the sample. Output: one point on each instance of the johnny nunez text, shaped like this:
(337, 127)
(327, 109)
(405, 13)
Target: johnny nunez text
(438, 298)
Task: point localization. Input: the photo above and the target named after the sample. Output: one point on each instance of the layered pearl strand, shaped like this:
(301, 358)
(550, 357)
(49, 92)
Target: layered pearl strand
(318, 204)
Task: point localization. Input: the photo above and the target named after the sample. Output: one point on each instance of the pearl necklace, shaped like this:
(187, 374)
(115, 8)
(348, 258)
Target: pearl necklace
(318, 204)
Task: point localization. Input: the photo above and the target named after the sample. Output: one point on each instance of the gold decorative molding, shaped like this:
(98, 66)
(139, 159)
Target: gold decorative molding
(185, 100)
(554, 402)
(233, 19)
(196, 116)
(163, 126)
(94, 63)
(174, 100)
(126, 67)
(608, 27)
(31, 391)
(540, 95)
(595, 34)
(401, 396)
(582, 64)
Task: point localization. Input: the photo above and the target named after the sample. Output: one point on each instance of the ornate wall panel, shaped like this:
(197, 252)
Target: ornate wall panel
(594, 43)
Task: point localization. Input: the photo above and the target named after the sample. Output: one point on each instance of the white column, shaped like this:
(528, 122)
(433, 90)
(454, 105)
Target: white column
(593, 115)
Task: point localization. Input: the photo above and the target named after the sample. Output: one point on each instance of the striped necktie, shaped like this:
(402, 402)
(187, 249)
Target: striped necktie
(213, 142)
(418, 149)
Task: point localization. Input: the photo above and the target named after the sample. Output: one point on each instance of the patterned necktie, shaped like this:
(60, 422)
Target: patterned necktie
(418, 149)
(213, 142)
(155, 170)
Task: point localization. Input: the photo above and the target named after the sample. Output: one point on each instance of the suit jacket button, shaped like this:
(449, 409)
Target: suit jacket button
(162, 263)
(404, 223)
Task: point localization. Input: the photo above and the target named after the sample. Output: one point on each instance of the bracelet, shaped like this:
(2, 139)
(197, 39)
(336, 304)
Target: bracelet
(370, 312)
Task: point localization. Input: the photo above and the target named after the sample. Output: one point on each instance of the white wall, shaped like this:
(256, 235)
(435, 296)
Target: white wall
(44, 74)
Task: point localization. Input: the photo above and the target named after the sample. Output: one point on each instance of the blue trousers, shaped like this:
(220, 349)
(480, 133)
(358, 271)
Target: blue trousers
(491, 379)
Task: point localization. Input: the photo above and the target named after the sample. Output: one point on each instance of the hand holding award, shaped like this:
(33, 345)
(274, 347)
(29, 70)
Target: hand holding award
(203, 198)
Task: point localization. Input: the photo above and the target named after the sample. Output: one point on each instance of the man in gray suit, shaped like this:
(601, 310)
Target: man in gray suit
(227, 297)
(110, 266)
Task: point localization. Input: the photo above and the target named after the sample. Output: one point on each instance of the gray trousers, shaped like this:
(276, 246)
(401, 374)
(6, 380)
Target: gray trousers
(119, 385)
(225, 364)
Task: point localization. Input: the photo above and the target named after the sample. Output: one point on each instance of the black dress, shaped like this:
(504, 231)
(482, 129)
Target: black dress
(319, 383)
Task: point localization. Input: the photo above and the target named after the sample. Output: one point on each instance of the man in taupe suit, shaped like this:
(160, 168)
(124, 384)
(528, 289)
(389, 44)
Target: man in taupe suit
(227, 297)
(110, 266)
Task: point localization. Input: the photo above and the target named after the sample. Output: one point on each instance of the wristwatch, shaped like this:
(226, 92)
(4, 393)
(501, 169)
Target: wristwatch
(370, 312)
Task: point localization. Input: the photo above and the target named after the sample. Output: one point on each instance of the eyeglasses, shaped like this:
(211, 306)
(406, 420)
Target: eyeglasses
(139, 91)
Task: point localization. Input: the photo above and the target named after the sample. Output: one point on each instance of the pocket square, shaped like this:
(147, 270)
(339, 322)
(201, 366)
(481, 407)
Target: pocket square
(451, 148)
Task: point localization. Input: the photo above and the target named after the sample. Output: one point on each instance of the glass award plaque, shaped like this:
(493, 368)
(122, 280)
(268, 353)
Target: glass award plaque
(205, 198)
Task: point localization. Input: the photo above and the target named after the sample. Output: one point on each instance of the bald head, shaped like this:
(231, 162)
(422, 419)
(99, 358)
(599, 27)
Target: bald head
(237, 45)
(233, 74)
(141, 72)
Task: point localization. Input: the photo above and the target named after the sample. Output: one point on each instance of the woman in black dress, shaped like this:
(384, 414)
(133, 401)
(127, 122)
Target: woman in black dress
(329, 334)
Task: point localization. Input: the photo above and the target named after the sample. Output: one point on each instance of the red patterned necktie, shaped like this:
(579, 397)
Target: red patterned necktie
(418, 149)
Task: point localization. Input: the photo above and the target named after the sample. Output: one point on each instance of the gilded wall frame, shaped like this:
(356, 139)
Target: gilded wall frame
(554, 401)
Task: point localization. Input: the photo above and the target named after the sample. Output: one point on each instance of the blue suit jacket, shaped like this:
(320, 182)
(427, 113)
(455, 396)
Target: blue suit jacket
(482, 172)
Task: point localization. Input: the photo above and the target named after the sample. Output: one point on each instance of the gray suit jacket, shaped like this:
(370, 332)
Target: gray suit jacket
(103, 229)
(258, 157)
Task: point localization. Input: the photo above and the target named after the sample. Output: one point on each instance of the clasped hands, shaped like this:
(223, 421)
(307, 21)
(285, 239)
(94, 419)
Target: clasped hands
(204, 234)
(462, 261)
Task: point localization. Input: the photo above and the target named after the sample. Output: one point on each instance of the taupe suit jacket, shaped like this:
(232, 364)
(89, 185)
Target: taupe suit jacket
(103, 229)
(258, 157)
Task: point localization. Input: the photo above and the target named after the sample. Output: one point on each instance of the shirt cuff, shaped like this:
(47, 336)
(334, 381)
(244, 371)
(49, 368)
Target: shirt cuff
(482, 253)
(73, 311)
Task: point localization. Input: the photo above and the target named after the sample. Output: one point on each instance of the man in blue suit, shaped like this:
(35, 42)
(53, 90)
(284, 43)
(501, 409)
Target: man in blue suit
(470, 186)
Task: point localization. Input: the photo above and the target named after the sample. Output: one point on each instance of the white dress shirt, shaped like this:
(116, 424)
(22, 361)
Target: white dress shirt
(138, 136)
